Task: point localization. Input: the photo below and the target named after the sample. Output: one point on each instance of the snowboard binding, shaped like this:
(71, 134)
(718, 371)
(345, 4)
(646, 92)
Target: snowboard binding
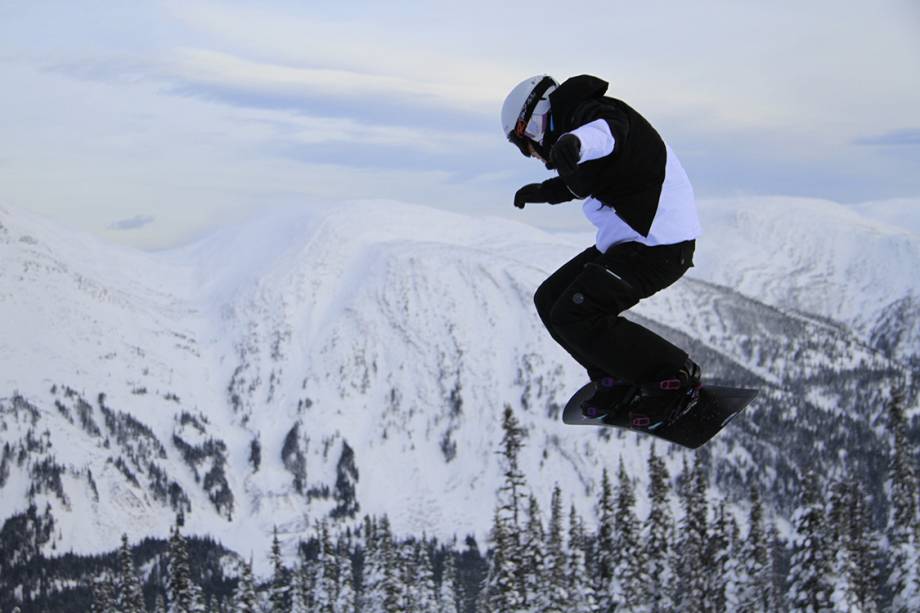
(646, 406)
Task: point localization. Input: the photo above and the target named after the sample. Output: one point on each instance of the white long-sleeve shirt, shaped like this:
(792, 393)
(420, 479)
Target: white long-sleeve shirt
(676, 219)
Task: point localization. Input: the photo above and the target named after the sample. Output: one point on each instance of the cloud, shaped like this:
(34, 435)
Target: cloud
(132, 223)
(424, 45)
(187, 110)
(893, 138)
(371, 97)
(220, 68)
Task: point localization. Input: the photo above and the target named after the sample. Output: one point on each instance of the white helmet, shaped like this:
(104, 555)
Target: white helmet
(525, 111)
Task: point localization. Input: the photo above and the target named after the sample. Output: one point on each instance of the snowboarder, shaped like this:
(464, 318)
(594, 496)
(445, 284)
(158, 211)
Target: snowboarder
(639, 198)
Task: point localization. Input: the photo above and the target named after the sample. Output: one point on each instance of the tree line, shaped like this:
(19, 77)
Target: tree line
(687, 551)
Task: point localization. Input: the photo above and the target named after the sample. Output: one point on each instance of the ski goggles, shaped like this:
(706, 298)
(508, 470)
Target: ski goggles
(530, 128)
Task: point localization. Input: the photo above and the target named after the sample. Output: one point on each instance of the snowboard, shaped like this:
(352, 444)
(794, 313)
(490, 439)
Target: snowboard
(715, 407)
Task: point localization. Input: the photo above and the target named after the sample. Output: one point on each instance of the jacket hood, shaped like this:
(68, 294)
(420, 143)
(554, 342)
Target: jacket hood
(565, 98)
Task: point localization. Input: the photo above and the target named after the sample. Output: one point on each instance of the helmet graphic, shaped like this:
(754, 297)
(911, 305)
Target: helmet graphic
(525, 111)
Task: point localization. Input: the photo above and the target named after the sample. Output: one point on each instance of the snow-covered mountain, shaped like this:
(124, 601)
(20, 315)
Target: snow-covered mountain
(854, 265)
(356, 359)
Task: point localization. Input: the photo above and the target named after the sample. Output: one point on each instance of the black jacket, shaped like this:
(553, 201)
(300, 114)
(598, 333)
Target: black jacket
(628, 180)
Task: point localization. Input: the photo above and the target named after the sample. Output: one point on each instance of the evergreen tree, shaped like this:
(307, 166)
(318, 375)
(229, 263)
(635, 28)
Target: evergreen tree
(754, 593)
(811, 568)
(424, 597)
(279, 588)
(159, 605)
(300, 603)
(347, 598)
(103, 590)
(582, 598)
(903, 526)
(556, 595)
(692, 549)
(408, 568)
(843, 597)
(182, 592)
(325, 584)
(902, 475)
(629, 585)
(507, 581)
(245, 599)
(863, 550)
(305, 577)
(722, 573)
(382, 592)
(130, 595)
(736, 547)
(534, 561)
(778, 576)
(448, 593)
(658, 536)
(392, 586)
(501, 592)
(606, 547)
(372, 592)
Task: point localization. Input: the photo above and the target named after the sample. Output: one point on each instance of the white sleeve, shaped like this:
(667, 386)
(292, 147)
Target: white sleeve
(596, 140)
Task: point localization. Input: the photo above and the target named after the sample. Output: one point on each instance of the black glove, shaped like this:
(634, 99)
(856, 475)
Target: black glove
(565, 154)
(532, 192)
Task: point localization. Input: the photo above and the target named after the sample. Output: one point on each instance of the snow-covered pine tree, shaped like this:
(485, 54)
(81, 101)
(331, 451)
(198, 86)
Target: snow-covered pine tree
(424, 596)
(245, 599)
(736, 548)
(408, 568)
(534, 551)
(606, 548)
(347, 598)
(692, 564)
(382, 591)
(903, 526)
(182, 592)
(448, 594)
(392, 586)
(500, 592)
(159, 605)
(778, 552)
(371, 597)
(863, 547)
(754, 577)
(556, 594)
(130, 597)
(582, 598)
(838, 529)
(300, 603)
(629, 587)
(325, 586)
(811, 567)
(658, 534)
(723, 572)
(506, 584)
(103, 590)
(305, 575)
(279, 598)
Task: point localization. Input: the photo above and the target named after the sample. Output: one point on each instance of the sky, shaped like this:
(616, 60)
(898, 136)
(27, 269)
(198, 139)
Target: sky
(150, 123)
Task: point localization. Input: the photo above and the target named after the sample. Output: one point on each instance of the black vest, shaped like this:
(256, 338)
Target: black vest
(628, 180)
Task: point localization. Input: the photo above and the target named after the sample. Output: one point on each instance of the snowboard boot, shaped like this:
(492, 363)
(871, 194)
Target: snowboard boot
(609, 395)
(667, 398)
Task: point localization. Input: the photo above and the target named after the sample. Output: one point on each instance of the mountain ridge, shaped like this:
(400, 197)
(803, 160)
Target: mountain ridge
(161, 375)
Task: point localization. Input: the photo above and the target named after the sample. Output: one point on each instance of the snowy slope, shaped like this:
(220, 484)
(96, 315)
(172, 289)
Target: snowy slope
(857, 266)
(251, 379)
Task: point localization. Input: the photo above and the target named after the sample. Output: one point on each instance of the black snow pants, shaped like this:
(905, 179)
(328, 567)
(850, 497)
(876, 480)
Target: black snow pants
(581, 305)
